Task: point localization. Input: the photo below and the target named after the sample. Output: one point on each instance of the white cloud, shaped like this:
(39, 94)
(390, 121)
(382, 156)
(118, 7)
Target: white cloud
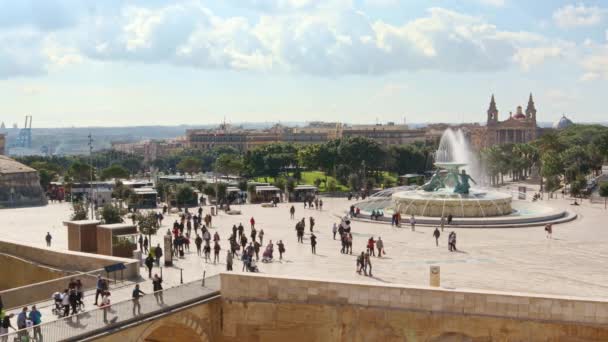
(497, 3)
(596, 64)
(381, 3)
(580, 15)
(326, 38)
(532, 56)
(21, 54)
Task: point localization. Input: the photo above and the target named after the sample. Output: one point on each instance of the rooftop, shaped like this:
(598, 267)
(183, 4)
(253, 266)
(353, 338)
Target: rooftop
(8, 165)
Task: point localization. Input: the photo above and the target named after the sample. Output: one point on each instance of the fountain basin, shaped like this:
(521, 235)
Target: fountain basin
(445, 202)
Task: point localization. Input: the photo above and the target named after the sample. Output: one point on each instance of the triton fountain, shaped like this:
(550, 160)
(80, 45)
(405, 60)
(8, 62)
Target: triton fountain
(452, 190)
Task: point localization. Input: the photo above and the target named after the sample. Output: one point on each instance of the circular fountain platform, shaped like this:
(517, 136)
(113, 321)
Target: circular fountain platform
(444, 202)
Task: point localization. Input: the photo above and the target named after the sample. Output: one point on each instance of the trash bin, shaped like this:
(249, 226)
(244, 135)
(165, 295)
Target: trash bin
(137, 256)
(435, 276)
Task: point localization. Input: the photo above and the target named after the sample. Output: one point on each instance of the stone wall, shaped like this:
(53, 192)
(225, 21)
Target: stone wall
(68, 260)
(260, 308)
(200, 323)
(38, 272)
(23, 272)
(21, 189)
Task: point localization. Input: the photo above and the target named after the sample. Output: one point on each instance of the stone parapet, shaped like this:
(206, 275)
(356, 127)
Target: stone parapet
(509, 305)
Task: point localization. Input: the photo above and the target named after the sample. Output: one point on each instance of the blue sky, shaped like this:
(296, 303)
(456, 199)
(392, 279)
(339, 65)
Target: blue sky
(134, 62)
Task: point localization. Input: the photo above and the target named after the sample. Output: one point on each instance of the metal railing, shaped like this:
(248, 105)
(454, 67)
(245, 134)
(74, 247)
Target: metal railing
(98, 320)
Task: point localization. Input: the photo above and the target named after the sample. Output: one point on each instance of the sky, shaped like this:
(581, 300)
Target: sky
(157, 62)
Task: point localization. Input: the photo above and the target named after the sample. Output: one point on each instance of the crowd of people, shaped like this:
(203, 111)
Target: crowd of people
(242, 245)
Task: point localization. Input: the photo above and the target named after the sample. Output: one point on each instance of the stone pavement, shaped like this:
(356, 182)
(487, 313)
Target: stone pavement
(510, 259)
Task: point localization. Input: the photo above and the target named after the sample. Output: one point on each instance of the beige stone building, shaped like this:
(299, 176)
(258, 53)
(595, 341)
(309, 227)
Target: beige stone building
(315, 133)
(19, 185)
(517, 128)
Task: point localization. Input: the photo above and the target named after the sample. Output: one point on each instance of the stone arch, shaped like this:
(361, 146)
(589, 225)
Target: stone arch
(184, 326)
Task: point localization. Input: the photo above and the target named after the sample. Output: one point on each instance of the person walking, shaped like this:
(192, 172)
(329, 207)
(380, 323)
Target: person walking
(320, 204)
(450, 217)
(6, 324)
(141, 243)
(261, 236)
(36, 318)
(22, 319)
(312, 223)
(368, 265)
(549, 230)
(157, 287)
(65, 302)
(100, 287)
(413, 223)
(281, 249)
(216, 252)
(207, 251)
(252, 222)
(158, 253)
(48, 239)
(360, 262)
(292, 212)
(198, 241)
(146, 244)
(256, 249)
(241, 229)
(105, 305)
(370, 246)
(229, 257)
(380, 246)
(334, 229)
(436, 234)
(254, 234)
(149, 262)
(313, 243)
(136, 294)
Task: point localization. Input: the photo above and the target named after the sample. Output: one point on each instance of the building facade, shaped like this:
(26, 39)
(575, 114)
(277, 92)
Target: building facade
(315, 133)
(517, 128)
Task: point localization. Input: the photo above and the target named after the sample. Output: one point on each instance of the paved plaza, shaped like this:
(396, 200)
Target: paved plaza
(514, 259)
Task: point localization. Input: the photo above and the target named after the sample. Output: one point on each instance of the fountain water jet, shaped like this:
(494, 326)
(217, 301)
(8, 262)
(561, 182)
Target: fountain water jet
(449, 191)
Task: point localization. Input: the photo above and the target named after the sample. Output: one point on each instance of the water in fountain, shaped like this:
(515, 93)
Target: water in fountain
(454, 148)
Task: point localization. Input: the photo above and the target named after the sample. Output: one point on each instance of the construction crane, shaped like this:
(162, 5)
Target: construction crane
(24, 139)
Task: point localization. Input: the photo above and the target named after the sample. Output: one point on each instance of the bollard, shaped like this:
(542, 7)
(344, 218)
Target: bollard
(161, 272)
(204, 272)
(435, 276)
(181, 275)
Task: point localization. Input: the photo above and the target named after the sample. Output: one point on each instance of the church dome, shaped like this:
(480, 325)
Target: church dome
(519, 115)
(563, 122)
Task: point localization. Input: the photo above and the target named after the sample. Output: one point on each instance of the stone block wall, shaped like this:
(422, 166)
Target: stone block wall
(261, 308)
(68, 260)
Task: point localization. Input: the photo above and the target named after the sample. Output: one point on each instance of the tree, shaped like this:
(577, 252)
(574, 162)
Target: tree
(79, 212)
(227, 164)
(242, 185)
(147, 224)
(552, 184)
(290, 185)
(209, 190)
(190, 165)
(604, 192)
(332, 186)
(354, 181)
(80, 172)
(184, 194)
(111, 214)
(280, 183)
(578, 186)
(114, 171)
